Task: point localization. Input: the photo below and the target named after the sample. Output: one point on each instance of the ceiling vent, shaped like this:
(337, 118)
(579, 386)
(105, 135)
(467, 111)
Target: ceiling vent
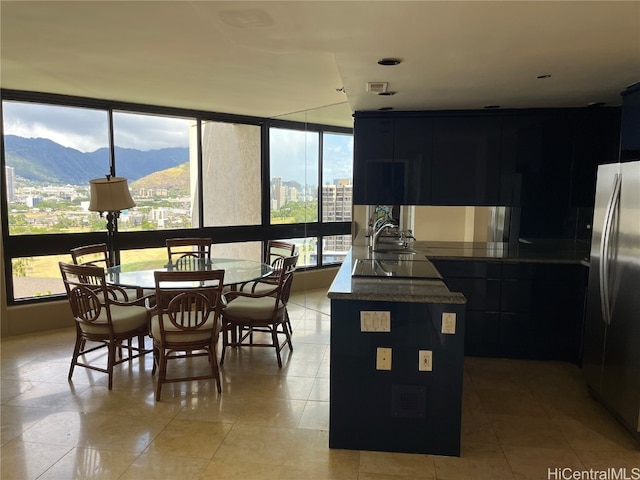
(377, 87)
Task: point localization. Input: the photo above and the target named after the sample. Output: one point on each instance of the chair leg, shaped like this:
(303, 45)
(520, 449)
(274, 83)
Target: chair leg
(225, 341)
(111, 347)
(276, 343)
(215, 371)
(76, 351)
(162, 371)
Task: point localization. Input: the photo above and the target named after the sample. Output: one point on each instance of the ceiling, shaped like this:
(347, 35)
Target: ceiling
(291, 58)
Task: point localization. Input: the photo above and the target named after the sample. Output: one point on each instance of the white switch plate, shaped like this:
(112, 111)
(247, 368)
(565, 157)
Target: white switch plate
(375, 321)
(449, 322)
(425, 360)
(383, 358)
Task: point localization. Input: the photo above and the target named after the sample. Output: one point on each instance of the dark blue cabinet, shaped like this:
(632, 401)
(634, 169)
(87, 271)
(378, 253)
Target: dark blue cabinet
(466, 160)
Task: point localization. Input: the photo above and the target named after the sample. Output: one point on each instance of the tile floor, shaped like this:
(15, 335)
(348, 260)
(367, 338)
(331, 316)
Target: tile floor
(520, 419)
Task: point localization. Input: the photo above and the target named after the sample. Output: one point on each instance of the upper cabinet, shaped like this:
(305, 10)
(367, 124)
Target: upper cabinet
(466, 161)
(518, 158)
(630, 135)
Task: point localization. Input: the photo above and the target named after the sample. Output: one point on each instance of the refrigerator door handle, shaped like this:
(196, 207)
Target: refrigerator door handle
(614, 200)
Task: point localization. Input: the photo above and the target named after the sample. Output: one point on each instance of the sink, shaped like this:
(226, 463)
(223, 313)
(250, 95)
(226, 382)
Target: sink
(395, 266)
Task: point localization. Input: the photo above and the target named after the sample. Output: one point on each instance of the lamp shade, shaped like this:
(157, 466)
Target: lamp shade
(110, 194)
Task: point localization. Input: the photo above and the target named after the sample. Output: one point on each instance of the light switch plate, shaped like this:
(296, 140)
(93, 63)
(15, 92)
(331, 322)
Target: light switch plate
(449, 323)
(375, 321)
(383, 358)
(425, 360)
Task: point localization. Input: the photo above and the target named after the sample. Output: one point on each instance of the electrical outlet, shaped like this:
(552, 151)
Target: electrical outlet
(375, 321)
(449, 322)
(425, 360)
(383, 358)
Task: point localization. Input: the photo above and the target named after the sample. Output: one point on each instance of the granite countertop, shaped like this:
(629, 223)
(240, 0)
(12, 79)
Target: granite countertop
(345, 286)
(526, 250)
(382, 289)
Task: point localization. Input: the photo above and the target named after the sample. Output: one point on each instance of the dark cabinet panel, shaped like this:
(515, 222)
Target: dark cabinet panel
(375, 178)
(536, 159)
(596, 141)
(630, 134)
(413, 150)
(466, 161)
(520, 309)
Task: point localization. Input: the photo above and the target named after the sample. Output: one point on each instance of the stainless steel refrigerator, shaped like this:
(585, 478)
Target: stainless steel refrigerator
(611, 341)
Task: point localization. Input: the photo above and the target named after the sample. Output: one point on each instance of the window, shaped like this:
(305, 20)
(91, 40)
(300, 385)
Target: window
(51, 153)
(190, 173)
(294, 162)
(155, 155)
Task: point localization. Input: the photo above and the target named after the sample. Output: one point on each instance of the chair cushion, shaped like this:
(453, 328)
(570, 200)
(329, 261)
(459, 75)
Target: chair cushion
(203, 333)
(249, 308)
(124, 319)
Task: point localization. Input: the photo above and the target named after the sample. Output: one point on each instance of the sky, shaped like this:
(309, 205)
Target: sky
(293, 153)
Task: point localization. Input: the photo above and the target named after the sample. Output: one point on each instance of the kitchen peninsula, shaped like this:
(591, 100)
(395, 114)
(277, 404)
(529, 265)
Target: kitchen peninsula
(397, 352)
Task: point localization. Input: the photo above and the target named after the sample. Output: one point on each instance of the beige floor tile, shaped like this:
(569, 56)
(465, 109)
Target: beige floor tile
(160, 467)
(219, 469)
(519, 417)
(51, 396)
(309, 452)
(90, 464)
(28, 460)
(133, 401)
(476, 428)
(225, 408)
(403, 464)
(272, 412)
(510, 402)
(11, 388)
(15, 420)
(96, 430)
(522, 431)
(320, 390)
(531, 463)
(477, 461)
(315, 416)
(601, 460)
(189, 438)
(595, 433)
(256, 444)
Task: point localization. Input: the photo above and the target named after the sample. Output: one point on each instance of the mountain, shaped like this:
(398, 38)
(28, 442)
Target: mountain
(174, 179)
(43, 160)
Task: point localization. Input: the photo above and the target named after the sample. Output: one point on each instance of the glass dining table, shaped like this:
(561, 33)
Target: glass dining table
(236, 272)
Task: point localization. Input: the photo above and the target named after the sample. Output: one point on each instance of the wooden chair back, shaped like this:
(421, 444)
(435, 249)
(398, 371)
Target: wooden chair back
(189, 299)
(95, 254)
(183, 250)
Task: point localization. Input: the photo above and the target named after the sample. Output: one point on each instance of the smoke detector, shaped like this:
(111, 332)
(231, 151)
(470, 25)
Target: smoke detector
(377, 87)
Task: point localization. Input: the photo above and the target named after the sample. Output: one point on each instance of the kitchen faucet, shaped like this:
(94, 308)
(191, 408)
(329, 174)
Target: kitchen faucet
(378, 232)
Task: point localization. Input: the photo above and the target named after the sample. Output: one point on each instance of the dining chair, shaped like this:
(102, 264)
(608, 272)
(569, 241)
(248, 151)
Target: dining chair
(96, 254)
(101, 318)
(249, 312)
(185, 322)
(182, 250)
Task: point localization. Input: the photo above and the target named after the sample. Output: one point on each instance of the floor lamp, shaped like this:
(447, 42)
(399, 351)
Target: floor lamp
(110, 195)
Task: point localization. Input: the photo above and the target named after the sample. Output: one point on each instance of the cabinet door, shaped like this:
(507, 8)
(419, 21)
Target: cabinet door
(466, 161)
(413, 150)
(596, 141)
(630, 134)
(536, 159)
(375, 178)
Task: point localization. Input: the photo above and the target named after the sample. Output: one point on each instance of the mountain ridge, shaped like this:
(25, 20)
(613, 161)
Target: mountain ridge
(43, 160)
